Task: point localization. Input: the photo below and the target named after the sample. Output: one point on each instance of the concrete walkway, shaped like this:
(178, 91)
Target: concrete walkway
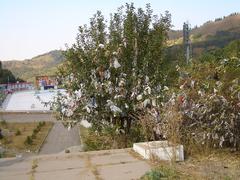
(120, 164)
(26, 117)
(60, 138)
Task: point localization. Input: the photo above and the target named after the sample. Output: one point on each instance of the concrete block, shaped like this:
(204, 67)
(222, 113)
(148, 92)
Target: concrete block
(163, 150)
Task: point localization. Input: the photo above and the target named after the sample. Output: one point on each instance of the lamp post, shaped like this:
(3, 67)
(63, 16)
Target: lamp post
(18, 86)
(8, 83)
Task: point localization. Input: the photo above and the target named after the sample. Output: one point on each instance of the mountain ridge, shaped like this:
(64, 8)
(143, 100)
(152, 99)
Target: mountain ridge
(210, 35)
(44, 64)
(211, 27)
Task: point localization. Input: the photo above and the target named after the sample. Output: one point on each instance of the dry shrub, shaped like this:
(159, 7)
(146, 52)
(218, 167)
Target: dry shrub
(165, 127)
(110, 138)
(148, 125)
(174, 126)
(171, 122)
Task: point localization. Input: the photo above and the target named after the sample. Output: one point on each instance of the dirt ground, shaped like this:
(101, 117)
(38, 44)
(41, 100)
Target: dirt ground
(26, 117)
(16, 143)
(215, 166)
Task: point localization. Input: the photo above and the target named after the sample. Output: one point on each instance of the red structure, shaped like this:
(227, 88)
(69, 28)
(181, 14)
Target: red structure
(46, 82)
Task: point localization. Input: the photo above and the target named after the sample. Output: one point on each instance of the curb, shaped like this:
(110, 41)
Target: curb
(25, 112)
(80, 137)
(41, 144)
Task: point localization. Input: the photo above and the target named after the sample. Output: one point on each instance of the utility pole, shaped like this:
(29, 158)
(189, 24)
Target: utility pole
(187, 42)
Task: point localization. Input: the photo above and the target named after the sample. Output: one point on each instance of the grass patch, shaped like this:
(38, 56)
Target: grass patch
(209, 164)
(216, 165)
(161, 172)
(18, 132)
(34, 166)
(18, 136)
(3, 124)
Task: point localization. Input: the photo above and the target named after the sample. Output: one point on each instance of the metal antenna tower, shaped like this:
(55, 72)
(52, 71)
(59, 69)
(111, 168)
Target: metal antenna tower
(186, 41)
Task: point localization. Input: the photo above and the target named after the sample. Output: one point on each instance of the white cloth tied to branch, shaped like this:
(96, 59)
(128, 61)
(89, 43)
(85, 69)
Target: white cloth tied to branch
(113, 107)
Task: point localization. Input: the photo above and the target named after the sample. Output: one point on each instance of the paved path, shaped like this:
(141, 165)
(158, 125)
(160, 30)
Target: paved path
(26, 117)
(119, 164)
(60, 138)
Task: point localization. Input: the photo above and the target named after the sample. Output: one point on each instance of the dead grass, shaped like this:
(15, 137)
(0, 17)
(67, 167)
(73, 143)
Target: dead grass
(92, 167)
(219, 165)
(202, 162)
(34, 166)
(15, 142)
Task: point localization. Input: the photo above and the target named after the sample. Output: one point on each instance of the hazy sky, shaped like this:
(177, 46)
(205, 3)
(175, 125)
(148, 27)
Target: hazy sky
(31, 27)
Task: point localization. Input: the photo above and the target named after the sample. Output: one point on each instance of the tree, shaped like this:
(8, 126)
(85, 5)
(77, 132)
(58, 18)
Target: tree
(233, 49)
(6, 76)
(111, 75)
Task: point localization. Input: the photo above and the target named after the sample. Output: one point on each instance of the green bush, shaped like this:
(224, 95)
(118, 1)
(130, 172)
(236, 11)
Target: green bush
(1, 135)
(36, 130)
(111, 138)
(43, 123)
(153, 175)
(33, 136)
(28, 141)
(3, 123)
(2, 154)
(40, 124)
(38, 127)
(161, 173)
(6, 140)
(18, 132)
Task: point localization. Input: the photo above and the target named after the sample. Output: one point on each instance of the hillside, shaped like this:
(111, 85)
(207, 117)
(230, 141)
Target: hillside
(6, 76)
(212, 34)
(45, 64)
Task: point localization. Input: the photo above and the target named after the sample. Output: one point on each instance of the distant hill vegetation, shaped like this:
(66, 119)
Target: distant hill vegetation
(6, 76)
(45, 64)
(211, 35)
